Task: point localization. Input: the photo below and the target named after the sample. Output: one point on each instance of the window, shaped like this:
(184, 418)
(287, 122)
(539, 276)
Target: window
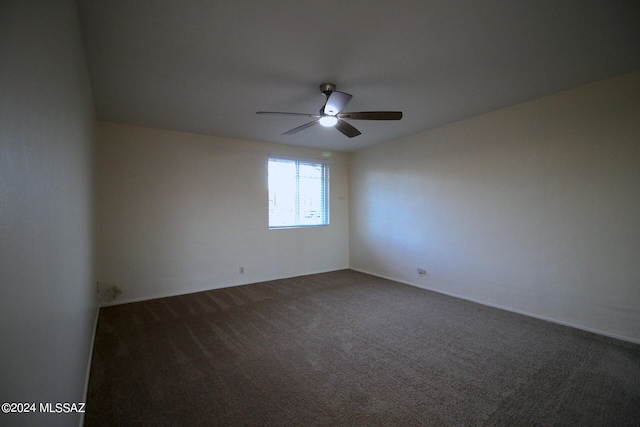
(298, 193)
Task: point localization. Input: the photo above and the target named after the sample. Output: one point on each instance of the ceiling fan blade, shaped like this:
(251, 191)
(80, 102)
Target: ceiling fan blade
(289, 114)
(372, 115)
(347, 129)
(336, 102)
(299, 128)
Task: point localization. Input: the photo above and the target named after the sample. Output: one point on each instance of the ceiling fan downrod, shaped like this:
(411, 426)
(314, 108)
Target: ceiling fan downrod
(327, 89)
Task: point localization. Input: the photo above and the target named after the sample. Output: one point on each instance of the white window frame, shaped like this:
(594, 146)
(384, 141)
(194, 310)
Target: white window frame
(298, 220)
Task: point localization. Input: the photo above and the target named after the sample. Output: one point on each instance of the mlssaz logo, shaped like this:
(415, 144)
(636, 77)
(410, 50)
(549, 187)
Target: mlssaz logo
(62, 408)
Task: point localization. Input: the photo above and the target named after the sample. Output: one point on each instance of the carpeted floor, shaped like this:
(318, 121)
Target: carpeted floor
(349, 349)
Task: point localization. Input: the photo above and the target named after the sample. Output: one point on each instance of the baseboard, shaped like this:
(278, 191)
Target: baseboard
(88, 373)
(500, 307)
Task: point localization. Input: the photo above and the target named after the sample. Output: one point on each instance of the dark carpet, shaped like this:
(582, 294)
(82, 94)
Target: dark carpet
(349, 349)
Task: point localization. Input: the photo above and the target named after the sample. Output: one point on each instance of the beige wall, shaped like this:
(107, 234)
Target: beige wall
(48, 304)
(180, 212)
(535, 208)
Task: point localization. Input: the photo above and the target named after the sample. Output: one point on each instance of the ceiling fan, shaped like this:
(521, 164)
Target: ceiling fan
(331, 115)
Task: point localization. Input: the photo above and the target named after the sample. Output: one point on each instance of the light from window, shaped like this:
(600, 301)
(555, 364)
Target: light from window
(298, 193)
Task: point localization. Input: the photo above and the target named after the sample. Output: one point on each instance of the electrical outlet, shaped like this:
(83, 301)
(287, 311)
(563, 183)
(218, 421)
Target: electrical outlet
(422, 272)
(241, 270)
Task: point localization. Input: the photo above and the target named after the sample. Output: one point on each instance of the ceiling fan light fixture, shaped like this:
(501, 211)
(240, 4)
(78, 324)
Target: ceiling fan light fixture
(328, 121)
(331, 113)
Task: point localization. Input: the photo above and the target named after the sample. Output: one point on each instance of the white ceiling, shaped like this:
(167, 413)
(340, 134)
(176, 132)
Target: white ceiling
(207, 66)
